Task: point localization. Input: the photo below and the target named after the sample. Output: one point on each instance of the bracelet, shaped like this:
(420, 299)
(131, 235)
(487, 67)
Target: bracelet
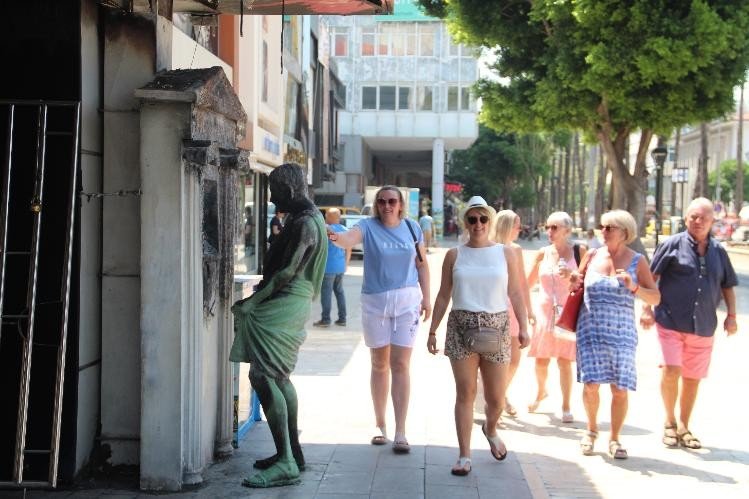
(432, 334)
(330, 237)
(637, 288)
(732, 316)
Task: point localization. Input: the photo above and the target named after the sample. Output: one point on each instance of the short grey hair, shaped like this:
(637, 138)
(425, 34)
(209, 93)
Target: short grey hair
(563, 217)
(703, 202)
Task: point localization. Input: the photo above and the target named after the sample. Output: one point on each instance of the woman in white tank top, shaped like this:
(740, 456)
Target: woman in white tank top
(482, 278)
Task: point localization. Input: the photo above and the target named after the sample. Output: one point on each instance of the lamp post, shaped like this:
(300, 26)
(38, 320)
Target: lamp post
(659, 158)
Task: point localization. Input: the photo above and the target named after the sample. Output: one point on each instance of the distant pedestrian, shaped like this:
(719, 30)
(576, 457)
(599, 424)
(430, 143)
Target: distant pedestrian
(335, 267)
(606, 331)
(482, 278)
(427, 227)
(276, 225)
(694, 273)
(592, 241)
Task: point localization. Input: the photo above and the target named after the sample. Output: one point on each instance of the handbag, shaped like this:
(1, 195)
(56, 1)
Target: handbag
(567, 319)
(482, 339)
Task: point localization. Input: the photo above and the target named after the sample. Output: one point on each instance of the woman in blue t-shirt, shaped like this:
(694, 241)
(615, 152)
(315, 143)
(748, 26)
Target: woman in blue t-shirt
(395, 293)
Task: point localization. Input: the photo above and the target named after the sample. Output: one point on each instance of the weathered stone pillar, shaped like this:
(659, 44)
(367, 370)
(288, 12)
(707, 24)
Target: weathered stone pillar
(191, 121)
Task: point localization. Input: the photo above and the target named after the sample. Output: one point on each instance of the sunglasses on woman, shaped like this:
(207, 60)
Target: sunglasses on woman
(608, 228)
(390, 201)
(552, 227)
(472, 220)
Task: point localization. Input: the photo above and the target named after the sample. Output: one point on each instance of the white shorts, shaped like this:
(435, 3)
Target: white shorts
(391, 318)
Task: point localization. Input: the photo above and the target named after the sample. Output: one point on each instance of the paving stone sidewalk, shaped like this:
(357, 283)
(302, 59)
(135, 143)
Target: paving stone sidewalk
(336, 424)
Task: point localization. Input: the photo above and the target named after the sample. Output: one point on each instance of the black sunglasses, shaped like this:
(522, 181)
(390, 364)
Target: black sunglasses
(472, 220)
(609, 227)
(552, 227)
(390, 201)
(703, 266)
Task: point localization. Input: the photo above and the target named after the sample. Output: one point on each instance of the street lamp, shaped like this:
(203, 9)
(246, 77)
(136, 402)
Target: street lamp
(659, 157)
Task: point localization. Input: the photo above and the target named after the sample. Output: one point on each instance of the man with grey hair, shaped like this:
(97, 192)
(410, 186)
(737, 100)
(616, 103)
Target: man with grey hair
(693, 274)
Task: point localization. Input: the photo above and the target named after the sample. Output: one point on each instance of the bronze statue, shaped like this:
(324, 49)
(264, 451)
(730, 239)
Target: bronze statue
(269, 325)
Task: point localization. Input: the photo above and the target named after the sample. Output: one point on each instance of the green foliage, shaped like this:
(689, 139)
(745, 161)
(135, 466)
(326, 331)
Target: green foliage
(500, 166)
(604, 64)
(727, 180)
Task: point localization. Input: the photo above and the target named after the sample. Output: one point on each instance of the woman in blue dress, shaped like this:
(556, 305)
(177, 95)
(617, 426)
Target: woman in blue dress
(606, 331)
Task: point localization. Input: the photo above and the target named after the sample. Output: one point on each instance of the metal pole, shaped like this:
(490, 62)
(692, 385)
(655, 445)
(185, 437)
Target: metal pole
(658, 187)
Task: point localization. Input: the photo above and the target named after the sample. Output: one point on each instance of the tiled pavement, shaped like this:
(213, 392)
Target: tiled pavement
(544, 460)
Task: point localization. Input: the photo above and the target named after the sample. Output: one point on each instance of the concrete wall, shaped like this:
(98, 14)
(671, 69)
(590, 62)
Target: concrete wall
(89, 349)
(129, 63)
(186, 54)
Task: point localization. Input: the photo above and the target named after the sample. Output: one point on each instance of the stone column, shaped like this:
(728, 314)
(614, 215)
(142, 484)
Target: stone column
(438, 185)
(190, 122)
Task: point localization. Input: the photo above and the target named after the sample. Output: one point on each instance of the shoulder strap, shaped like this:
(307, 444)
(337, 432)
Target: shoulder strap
(576, 252)
(416, 242)
(588, 257)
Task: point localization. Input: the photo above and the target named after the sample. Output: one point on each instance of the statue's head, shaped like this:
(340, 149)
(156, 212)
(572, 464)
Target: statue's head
(288, 186)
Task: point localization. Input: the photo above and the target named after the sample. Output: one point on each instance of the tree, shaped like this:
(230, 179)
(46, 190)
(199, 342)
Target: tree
(503, 168)
(608, 67)
(728, 170)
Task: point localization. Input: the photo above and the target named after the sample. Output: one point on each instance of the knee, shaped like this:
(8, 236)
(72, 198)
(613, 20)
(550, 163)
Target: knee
(618, 394)
(380, 366)
(565, 366)
(399, 366)
(465, 394)
(671, 373)
(590, 390)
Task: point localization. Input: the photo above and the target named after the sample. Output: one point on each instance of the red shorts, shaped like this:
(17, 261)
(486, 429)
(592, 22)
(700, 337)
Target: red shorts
(686, 350)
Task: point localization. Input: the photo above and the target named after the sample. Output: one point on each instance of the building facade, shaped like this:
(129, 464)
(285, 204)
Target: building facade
(408, 103)
(136, 134)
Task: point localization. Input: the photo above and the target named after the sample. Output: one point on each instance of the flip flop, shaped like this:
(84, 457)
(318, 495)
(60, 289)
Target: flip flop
(379, 440)
(510, 409)
(494, 445)
(462, 467)
(533, 406)
(567, 417)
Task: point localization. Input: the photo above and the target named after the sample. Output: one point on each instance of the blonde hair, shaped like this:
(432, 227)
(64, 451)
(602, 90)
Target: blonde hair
(375, 207)
(504, 221)
(484, 210)
(623, 219)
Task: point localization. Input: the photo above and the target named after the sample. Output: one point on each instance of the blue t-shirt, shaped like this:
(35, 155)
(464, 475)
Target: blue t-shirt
(389, 255)
(336, 263)
(690, 289)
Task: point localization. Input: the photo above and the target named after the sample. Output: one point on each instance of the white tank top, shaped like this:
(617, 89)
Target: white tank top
(480, 279)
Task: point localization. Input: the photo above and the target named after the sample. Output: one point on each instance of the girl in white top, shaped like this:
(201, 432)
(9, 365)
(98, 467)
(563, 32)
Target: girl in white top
(482, 278)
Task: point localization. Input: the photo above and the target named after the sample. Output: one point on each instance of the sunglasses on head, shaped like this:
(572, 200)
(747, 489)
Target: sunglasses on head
(609, 227)
(472, 220)
(390, 201)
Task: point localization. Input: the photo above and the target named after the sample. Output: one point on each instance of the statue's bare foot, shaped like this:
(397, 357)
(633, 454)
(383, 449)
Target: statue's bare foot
(277, 475)
(264, 464)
